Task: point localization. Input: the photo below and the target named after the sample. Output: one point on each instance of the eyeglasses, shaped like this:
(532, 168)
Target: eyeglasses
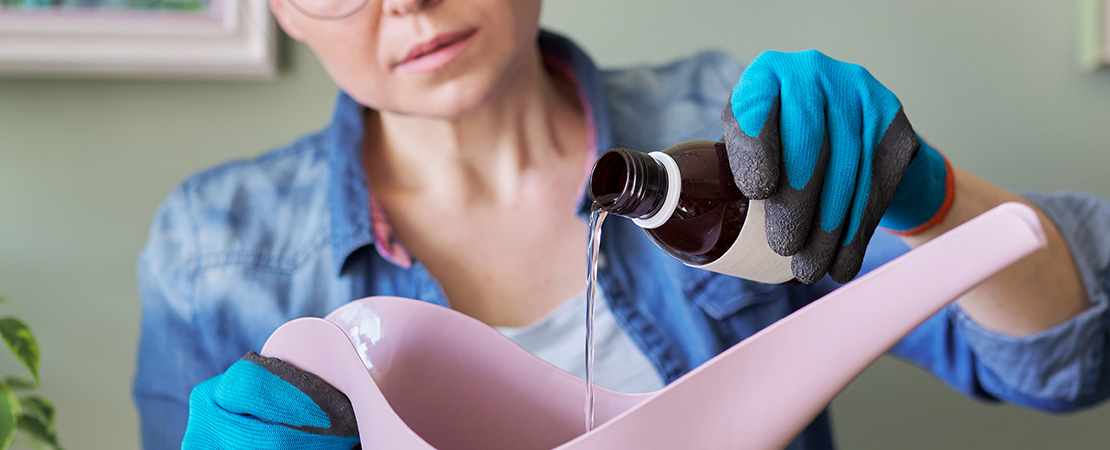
(328, 9)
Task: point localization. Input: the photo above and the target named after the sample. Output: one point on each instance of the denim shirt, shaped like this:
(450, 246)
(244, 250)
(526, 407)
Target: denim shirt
(239, 249)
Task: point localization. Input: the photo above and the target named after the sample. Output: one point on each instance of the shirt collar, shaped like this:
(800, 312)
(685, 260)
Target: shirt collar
(349, 197)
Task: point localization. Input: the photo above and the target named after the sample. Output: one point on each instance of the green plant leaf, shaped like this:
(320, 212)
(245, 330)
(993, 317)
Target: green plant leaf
(35, 429)
(22, 343)
(19, 383)
(39, 407)
(9, 411)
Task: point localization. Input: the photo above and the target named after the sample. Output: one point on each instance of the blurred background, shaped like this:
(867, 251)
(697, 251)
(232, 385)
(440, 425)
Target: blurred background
(84, 163)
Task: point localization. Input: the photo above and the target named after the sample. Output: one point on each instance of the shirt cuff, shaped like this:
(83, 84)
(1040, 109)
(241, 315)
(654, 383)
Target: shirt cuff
(1061, 363)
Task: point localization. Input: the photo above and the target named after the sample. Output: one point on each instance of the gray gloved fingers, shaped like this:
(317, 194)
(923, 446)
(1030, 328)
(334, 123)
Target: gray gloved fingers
(806, 157)
(755, 161)
(792, 213)
(820, 250)
(331, 401)
(895, 150)
(826, 231)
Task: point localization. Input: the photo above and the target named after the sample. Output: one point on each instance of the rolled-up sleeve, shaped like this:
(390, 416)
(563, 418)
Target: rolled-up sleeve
(1063, 367)
(170, 358)
(1060, 369)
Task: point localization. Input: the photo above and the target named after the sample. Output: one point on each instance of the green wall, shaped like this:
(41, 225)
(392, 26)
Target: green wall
(84, 164)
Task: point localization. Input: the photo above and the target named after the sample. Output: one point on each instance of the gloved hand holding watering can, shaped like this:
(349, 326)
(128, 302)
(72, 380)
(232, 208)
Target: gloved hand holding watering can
(833, 154)
(265, 403)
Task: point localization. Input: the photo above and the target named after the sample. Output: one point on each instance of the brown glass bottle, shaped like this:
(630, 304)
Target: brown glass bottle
(697, 223)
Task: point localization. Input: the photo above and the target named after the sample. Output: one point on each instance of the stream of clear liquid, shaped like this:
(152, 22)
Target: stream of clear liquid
(596, 218)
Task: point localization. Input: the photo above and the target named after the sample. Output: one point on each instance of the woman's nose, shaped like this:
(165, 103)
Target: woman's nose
(404, 7)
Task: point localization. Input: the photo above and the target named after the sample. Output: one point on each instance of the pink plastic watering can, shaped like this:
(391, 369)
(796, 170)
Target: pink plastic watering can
(421, 376)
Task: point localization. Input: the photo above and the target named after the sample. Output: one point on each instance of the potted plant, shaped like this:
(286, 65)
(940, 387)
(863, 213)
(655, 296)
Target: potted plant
(21, 408)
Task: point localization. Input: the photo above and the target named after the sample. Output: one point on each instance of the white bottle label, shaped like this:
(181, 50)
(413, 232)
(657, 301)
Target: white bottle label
(750, 257)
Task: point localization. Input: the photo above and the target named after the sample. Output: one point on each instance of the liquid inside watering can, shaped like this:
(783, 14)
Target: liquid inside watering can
(421, 376)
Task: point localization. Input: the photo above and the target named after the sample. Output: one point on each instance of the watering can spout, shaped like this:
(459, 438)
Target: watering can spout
(420, 376)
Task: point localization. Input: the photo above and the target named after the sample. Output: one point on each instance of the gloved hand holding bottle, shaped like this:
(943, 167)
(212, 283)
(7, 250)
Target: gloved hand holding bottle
(265, 403)
(831, 151)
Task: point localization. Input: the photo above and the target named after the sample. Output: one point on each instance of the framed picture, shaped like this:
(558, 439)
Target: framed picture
(180, 39)
(1094, 46)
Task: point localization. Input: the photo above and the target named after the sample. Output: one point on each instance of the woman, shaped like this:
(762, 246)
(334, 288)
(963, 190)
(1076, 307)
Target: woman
(453, 172)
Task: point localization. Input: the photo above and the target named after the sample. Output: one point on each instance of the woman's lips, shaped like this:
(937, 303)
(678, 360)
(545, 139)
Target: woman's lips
(438, 52)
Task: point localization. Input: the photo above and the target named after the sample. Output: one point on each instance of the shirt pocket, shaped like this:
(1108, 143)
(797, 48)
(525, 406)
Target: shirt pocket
(722, 296)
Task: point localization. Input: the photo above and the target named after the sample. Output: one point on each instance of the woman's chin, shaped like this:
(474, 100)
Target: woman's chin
(441, 105)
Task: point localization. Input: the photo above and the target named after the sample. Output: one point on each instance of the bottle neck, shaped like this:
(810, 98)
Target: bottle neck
(628, 183)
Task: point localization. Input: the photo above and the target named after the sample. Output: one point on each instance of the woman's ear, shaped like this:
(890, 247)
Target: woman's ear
(287, 23)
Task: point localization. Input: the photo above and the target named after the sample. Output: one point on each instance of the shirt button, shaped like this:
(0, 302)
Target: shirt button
(601, 260)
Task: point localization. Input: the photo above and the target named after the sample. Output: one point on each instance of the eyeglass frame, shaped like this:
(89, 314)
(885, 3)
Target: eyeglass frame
(301, 9)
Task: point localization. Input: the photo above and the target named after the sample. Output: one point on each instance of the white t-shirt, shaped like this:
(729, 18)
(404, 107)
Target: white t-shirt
(560, 339)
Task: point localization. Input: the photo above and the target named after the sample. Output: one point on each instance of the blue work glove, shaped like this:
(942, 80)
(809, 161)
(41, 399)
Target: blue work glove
(265, 403)
(829, 149)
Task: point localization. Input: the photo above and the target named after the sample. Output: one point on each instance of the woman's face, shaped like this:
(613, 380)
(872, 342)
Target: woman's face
(437, 58)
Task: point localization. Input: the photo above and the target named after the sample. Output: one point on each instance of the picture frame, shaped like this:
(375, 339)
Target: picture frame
(1094, 34)
(223, 39)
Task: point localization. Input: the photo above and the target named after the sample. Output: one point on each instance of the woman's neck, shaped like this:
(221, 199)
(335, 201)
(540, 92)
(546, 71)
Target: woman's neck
(530, 121)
